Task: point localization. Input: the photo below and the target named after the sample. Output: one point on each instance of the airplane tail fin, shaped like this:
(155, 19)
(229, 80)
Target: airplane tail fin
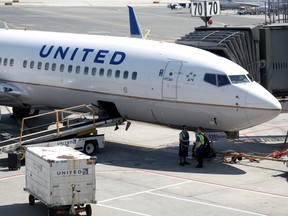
(135, 30)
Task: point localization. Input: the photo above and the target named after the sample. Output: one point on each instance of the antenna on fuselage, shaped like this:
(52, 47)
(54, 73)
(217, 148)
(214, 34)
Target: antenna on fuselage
(135, 30)
(6, 26)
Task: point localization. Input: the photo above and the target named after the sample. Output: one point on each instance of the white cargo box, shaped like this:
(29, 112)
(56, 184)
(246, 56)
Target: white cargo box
(60, 176)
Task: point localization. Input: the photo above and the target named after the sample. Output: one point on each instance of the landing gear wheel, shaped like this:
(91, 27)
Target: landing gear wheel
(20, 112)
(31, 200)
(88, 210)
(89, 148)
(51, 212)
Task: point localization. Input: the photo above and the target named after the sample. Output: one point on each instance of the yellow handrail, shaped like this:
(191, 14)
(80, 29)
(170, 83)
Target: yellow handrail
(56, 112)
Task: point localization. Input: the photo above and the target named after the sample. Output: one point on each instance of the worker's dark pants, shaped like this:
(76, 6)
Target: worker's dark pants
(200, 155)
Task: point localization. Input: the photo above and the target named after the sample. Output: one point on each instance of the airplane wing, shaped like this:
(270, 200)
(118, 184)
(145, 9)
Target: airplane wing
(249, 4)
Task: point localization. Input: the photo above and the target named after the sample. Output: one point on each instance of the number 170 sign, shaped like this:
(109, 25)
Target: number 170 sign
(205, 8)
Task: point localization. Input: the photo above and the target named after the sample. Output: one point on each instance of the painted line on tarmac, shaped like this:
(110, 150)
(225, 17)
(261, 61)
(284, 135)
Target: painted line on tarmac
(219, 185)
(124, 210)
(152, 191)
(142, 192)
(207, 204)
(11, 177)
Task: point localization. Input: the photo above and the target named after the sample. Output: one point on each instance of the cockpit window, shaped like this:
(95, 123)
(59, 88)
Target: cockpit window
(210, 78)
(250, 77)
(216, 79)
(222, 80)
(235, 79)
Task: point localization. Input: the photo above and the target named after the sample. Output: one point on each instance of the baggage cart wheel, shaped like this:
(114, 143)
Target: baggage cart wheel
(31, 200)
(88, 210)
(89, 148)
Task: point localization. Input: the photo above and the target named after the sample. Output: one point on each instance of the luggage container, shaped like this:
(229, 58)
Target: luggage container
(14, 162)
(62, 178)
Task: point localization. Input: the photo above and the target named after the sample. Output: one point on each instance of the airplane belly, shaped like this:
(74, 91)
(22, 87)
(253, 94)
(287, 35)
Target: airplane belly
(192, 115)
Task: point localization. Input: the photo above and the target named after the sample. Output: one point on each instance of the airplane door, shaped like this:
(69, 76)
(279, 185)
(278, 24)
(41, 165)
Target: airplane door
(170, 79)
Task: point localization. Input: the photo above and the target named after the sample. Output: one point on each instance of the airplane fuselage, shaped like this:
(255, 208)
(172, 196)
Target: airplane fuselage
(150, 81)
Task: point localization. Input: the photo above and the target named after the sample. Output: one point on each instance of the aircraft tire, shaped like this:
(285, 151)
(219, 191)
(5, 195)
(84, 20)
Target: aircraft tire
(20, 112)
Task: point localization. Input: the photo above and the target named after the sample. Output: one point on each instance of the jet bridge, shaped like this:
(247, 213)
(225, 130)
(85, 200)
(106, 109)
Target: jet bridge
(262, 50)
(239, 44)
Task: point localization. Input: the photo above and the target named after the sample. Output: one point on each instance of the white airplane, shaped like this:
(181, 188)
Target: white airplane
(231, 4)
(137, 79)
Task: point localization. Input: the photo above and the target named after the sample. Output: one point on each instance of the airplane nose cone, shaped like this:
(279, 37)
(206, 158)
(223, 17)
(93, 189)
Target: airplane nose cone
(262, 105)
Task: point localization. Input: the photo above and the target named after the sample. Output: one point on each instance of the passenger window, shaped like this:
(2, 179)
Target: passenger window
(134, 75)
(46, 66)
(117, 73)
(77, 69)
(11, 62)
(109, 73)
(210, 78)
(25, 64)
(101, 72)
(125, 75)
(222, 80)
(93, 71)
(5, 62)
(70, 68)
(53, 66)
(32, 64)
(62, 67)
(86, 70)
(0, 61)
(39, 65)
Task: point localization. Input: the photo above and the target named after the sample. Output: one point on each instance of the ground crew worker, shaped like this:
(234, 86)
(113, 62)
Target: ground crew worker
(183, 145)
(199, 147)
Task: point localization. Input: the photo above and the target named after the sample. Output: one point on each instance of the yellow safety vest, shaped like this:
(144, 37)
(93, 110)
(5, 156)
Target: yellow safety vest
(201, 136)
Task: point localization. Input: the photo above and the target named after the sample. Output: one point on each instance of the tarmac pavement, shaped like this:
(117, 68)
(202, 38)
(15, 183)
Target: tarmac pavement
(138, 172)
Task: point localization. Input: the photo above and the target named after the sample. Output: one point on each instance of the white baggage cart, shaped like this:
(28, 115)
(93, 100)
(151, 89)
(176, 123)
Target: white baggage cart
(62, 178)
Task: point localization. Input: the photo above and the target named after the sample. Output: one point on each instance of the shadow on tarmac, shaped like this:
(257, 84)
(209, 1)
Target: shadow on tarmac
(24, 209)
(159, 160)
